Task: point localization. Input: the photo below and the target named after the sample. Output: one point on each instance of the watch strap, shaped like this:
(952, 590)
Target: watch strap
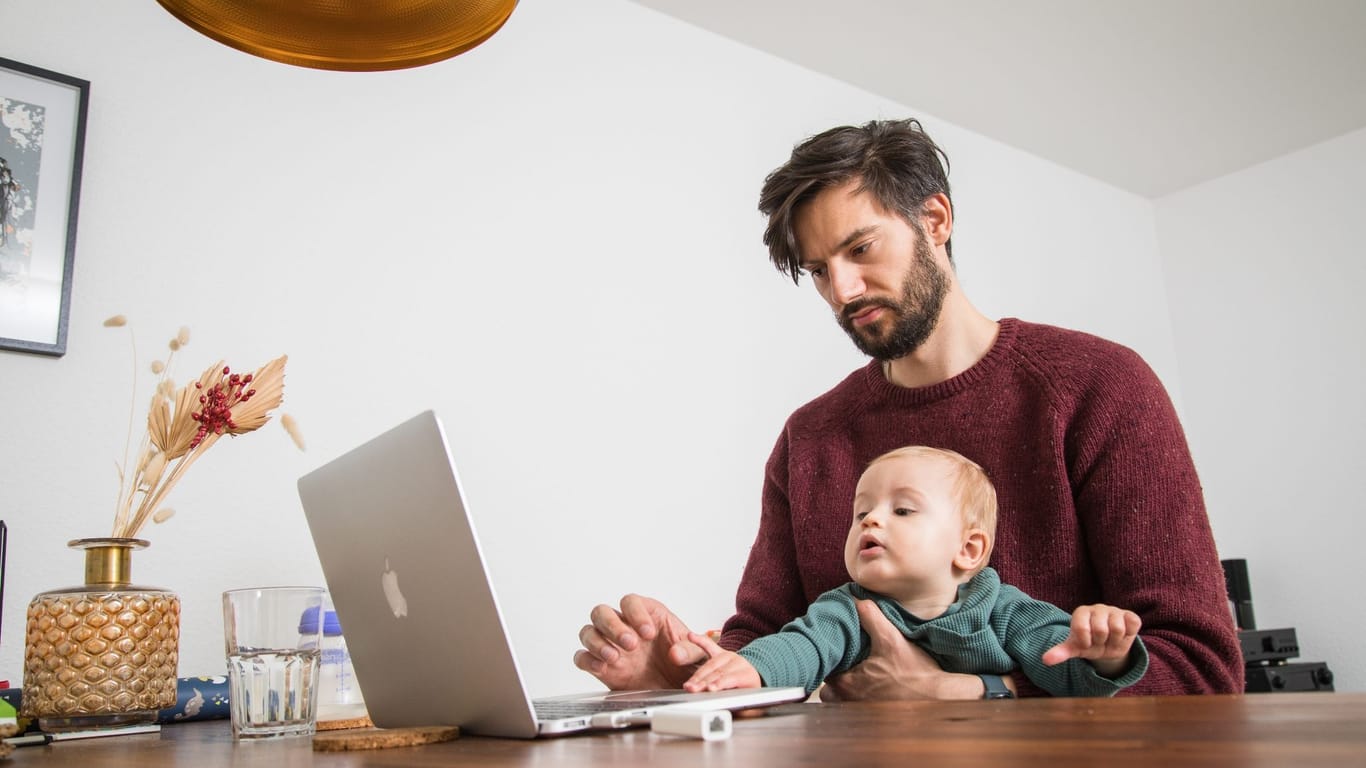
(995, 687)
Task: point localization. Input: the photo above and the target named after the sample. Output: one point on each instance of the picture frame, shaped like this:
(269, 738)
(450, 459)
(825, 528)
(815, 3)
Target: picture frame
(42, 147)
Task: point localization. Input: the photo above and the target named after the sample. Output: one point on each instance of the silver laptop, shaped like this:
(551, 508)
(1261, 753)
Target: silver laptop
(422, 623)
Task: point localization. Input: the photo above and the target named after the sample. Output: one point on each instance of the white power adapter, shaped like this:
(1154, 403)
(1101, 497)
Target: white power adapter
(705, 724)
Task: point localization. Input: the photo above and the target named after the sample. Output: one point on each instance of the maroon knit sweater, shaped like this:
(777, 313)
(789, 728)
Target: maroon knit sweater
(1099, 500)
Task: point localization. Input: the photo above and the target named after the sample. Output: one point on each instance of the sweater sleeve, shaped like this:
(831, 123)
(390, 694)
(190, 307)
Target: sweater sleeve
(1143, 515)
(1028, 627)
(770, 591)
(826, 640)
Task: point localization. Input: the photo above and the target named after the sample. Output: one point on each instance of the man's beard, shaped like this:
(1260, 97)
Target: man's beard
(915, 315)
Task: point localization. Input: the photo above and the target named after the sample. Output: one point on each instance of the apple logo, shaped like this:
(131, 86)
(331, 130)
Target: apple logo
(389, 580)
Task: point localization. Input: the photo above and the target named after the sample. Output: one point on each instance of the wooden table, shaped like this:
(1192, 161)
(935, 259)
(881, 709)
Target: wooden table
(1295, 729)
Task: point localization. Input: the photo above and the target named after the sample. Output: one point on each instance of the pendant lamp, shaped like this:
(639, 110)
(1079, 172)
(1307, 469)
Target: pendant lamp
(347, 35)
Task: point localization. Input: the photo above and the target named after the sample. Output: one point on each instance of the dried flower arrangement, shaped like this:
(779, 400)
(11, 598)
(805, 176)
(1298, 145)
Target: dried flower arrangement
(182, 424)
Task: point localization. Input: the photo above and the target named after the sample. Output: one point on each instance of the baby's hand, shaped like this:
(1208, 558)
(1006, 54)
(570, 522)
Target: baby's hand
(1102, 634)
(724, 670)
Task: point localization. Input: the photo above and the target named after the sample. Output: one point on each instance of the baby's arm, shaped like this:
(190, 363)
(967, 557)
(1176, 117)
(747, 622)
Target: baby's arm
(724, 670)
(1101, 634)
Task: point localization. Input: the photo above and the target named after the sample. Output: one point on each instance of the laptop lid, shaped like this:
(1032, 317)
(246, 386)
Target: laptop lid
(406, 575)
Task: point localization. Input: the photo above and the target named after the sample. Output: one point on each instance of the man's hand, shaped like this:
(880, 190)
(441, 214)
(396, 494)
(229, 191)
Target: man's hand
(896, 668)
(1101, 634)
(723, 671)
(643, 645)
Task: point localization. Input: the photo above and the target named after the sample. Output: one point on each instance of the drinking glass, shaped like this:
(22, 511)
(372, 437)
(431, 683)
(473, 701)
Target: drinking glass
(272, 660)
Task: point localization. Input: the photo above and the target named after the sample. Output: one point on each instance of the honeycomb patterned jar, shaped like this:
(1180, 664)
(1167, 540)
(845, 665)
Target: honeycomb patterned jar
(103, 654)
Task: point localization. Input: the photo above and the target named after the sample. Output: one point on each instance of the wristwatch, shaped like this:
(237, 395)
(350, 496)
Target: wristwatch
(995, 687)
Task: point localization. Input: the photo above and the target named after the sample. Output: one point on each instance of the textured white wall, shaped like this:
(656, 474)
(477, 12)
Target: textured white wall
(1265, 278)
(551, 240)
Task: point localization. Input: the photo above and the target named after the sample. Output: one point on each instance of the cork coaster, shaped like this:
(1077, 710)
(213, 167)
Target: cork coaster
(383, 738)
(342, 725)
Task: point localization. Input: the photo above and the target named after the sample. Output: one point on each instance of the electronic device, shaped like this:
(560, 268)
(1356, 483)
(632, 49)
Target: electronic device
(1267, 652)
(426, 635)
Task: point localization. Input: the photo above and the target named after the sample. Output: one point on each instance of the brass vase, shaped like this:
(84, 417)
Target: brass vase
(103, 654)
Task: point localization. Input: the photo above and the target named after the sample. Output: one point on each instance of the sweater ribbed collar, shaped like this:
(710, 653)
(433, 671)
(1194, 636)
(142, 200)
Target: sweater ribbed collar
(877, 383)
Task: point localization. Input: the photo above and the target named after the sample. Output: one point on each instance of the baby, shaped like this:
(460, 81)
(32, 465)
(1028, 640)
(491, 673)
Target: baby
(924, 523)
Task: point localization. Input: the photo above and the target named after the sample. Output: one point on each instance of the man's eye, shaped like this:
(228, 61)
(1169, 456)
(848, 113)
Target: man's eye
(816, 272)
(860, 249)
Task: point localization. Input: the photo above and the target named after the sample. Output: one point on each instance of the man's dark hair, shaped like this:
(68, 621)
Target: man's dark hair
(895, 160)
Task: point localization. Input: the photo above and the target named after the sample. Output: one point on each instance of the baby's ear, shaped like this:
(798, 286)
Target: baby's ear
(972, 555)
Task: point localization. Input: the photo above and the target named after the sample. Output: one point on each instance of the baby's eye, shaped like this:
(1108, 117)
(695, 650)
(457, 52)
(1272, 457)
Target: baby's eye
(902, 511)
(860, 515)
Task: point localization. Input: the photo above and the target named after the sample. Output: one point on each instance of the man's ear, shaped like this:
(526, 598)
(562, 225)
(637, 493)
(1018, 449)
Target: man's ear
(972, 555)
(936, 215)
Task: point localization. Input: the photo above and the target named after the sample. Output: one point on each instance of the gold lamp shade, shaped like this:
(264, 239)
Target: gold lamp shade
(349, 35)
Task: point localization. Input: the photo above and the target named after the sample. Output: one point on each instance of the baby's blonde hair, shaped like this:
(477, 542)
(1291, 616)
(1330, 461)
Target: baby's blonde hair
(972, 488)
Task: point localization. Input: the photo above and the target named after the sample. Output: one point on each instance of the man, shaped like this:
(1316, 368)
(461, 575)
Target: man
(1098, 494)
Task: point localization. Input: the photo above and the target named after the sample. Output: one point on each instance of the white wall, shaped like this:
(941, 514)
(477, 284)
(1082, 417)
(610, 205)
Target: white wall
(1265, 277)
(551, 240)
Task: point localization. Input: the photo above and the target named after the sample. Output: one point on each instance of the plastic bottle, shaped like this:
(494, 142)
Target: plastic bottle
(339, 695)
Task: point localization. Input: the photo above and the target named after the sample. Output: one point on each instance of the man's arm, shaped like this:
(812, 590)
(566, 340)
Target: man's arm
(1143, 514)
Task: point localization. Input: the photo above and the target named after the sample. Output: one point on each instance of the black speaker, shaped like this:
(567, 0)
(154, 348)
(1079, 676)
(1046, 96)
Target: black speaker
(1289, 677)
(1267, 652)
(1239, 592)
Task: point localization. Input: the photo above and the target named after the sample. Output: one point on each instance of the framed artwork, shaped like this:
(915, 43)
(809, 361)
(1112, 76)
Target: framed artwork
(42, 142)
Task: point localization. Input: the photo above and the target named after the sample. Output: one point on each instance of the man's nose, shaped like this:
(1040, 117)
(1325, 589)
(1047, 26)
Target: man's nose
(846, 283)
